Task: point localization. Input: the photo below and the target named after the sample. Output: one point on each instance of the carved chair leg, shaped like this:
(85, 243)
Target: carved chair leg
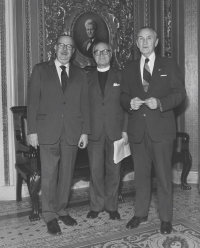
(28, 183)
(35, 183)
(19, 187)
(187, 164)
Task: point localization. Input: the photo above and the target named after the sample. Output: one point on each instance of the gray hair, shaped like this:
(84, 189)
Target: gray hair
(91, 22)
(150, 28)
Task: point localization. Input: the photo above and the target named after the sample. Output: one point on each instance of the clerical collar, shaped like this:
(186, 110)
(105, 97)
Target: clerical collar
(103, 69)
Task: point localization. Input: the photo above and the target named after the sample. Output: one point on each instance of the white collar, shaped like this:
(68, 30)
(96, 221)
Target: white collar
(151, 57)
(103, 69)
(58, 64)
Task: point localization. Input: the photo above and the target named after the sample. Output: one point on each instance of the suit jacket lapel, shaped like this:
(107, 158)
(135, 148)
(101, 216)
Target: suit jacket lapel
(54, 73)
(155, 75)
(110, 80)
(139, 78)
(72, 72)
(95, 81)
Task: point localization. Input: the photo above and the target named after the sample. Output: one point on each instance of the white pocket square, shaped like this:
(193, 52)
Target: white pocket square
(165, 75)
(116, 84)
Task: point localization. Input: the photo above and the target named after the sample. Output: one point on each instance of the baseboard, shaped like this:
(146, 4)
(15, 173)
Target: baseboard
(8, 193)
(192, 177)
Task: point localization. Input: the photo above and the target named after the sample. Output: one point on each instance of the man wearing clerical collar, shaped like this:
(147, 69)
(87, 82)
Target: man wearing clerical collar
(108, 123)
(91, 30)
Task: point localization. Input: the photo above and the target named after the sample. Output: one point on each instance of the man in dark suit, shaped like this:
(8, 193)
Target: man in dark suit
(152, 87)
(108, 124)
(91, 30)
(58, 121)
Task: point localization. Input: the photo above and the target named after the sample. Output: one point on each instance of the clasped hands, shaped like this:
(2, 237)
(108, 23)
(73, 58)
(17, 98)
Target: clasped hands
(151, 102)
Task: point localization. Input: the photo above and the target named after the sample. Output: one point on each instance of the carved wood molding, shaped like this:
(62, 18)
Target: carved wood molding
(167, 29)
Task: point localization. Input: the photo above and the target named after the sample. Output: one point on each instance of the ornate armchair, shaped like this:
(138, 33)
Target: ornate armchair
(28, 164)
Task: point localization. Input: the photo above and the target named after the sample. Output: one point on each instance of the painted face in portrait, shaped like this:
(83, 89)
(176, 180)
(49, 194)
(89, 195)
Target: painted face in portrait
(147, 41)
(91, 31)
(64, 49)
(102, 54)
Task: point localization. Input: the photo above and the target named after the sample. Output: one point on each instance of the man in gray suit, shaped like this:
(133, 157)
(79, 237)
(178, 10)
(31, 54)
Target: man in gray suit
(152, 87)
(58, 121)
(108, 124)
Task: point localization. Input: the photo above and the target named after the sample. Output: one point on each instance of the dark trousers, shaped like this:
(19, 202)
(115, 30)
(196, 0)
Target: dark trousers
(105, 175)
(57, 163)
(160, 154)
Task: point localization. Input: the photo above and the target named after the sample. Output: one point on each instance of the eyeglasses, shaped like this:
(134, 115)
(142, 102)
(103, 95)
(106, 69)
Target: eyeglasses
(104, 52)
(62, 46)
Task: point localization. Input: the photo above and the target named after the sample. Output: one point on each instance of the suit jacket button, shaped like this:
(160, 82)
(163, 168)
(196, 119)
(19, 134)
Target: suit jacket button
(63, 102)
(144, 115)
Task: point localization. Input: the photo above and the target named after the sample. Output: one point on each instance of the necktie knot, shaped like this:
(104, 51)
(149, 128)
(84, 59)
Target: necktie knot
(146, 60)
(63, 67)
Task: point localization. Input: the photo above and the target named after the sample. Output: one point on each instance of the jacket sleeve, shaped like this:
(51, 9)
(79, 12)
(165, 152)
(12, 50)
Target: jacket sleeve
(177, 92)
(125, 124)
(33, 100)
(85, 106)
(125, 98)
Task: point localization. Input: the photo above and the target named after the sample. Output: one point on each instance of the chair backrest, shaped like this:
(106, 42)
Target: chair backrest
(24, 130)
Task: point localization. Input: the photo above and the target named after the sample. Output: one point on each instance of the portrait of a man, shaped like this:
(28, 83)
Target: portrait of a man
(91, 27)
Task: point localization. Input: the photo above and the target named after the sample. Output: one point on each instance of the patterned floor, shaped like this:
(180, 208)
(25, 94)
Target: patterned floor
(16, 230)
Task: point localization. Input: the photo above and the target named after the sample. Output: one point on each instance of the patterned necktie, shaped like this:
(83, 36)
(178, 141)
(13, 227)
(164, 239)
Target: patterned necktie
(146, 75)
(64, 78)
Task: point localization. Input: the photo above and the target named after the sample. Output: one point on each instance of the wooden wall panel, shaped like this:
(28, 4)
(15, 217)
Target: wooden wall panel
(20, 53)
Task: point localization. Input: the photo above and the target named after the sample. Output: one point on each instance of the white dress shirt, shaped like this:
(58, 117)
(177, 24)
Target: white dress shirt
(59, 70)
(150, 63)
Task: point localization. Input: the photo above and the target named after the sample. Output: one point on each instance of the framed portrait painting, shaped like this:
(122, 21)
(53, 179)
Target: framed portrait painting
(89, 22)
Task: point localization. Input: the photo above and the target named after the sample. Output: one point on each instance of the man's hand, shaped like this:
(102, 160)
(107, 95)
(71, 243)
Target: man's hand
(136, 103)
(125, 138)
(83, 141)
(33, 140)
(152, 103)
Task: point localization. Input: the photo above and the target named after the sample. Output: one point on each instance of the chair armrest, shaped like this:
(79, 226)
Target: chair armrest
(185, 138)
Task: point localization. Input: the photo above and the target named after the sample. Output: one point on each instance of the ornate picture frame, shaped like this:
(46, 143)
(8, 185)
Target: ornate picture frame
(115, 26)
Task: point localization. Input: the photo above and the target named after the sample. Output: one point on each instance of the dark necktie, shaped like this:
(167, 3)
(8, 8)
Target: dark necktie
(146, 75)
(89, 44)
(64, 78)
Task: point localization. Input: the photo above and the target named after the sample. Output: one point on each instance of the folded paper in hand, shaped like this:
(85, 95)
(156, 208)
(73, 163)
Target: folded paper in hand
(120, 150)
